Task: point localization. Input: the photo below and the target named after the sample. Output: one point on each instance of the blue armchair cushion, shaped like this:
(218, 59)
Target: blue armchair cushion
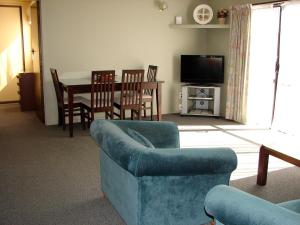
(231, 206)
(292, 205)
(170, 160)
(162, 135)
(140, 138)
(166, 185)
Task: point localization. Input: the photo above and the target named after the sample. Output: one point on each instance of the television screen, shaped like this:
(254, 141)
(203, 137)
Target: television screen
(202, 69)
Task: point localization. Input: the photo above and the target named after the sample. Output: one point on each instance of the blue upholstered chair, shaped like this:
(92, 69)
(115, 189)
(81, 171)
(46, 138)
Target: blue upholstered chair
(231, 206)
(150, 180)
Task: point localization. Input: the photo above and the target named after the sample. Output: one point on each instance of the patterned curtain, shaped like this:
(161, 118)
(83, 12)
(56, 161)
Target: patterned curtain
(238, 63)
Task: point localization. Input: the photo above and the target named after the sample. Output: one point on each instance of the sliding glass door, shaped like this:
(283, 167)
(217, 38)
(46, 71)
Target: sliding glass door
(287, 107)
(273, 94)
(263, 57)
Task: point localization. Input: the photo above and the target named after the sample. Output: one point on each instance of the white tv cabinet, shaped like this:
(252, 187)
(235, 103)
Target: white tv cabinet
(200, 100)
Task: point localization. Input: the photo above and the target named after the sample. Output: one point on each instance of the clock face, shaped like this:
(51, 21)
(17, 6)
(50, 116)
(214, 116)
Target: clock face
(203, 14)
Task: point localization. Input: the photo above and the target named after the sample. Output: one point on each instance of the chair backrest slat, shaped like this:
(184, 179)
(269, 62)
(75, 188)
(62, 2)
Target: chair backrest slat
(151, 77)
(58, 88)
(131, 91)
(103, 87)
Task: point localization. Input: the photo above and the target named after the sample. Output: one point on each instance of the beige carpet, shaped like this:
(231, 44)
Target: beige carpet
(48, 178)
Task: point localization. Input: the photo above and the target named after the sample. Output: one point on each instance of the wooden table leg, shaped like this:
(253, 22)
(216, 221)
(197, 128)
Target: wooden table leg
(262, 166)
(158, 101)
(70, 105)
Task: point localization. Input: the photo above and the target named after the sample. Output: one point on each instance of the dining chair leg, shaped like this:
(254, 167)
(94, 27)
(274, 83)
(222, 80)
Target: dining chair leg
(112, 114)
(60, 120)
(121, 114)
(92, 117)
(132, 116)
(151, 111)
(63, 120)
(145, 111)
(82, 120)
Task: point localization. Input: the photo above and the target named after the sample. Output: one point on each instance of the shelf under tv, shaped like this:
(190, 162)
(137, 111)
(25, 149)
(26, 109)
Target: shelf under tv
(200, 101)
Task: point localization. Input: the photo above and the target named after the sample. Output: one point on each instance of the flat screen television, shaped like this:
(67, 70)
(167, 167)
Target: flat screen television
(202, 69)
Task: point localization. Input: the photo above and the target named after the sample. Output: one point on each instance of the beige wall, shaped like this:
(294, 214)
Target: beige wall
(11, 31)
(104, 34)
(116, 34)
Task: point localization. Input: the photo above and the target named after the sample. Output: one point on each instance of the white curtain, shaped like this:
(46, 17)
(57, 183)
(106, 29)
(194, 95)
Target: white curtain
(238, 63)
(287, 108)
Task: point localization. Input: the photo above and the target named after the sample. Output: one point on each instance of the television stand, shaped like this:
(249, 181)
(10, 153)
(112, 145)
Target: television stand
(200, 100)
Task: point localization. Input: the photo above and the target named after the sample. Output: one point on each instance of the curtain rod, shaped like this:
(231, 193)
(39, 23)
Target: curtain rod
(270, 2)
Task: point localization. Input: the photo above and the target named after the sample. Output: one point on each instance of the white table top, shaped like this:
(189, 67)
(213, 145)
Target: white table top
(286, 144)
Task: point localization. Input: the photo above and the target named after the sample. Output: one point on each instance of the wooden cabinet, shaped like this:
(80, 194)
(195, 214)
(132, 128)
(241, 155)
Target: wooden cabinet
(27, 91)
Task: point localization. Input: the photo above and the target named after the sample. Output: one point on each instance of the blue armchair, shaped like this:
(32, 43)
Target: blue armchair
(151, 181)
(231, 206)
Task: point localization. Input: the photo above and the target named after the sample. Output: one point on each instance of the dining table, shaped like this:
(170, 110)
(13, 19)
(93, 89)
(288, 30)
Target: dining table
(74, 86)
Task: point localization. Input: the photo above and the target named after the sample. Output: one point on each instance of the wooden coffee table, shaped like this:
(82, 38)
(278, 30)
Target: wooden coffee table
(285, 151)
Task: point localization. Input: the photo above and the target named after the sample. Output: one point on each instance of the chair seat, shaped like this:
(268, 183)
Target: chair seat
(117, 97)
(86, 101)
(146, 97)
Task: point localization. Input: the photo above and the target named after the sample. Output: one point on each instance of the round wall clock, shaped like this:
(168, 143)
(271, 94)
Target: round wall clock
(203, 14)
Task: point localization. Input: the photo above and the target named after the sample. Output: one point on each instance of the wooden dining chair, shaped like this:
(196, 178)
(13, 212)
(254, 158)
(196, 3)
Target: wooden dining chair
(62, 103)
(148, 93)
(130, 97)
(102, 94)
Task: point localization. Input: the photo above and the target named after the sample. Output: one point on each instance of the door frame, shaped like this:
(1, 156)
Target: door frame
(41, 112)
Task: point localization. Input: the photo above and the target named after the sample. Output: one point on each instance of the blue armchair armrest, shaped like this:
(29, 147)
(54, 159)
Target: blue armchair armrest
(231, 206)
(184, 162)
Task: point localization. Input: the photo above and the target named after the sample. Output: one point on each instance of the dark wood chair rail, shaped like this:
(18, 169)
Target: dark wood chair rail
(131, 93)
(151, 76)
(65, 110)
(102, 94)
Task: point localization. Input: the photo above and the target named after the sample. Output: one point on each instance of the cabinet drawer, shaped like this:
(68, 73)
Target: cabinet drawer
(26, 91)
